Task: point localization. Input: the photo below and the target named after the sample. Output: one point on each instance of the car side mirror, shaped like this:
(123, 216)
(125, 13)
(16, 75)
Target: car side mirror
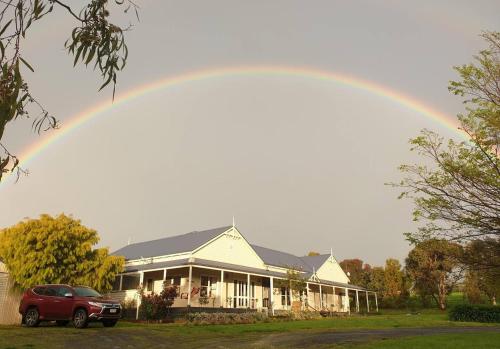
(68, 295)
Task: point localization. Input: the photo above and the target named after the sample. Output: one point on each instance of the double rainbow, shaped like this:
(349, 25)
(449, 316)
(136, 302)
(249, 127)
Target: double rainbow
(239, 71)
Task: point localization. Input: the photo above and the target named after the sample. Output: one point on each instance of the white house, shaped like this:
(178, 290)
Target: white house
(219, 268)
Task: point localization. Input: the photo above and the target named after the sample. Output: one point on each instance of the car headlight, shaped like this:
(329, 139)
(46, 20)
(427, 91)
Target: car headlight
(95, 304)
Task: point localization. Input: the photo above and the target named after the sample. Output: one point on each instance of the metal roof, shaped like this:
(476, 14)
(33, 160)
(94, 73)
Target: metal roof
(191, 241)
(280, 259)
(185, 262)
(170, 245)
(315, 261)
(287, 260)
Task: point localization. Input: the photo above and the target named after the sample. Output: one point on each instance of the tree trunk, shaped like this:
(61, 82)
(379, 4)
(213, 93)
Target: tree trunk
(494, 300)
(442, 292)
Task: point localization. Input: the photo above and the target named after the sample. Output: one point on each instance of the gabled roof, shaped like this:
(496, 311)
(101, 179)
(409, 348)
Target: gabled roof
(280, 259)
(316, 261)
(170, 245)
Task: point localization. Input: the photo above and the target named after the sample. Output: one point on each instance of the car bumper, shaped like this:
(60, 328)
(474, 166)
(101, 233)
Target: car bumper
(105, 312)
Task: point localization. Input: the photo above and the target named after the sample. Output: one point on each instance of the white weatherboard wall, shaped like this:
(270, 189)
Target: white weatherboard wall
(230, 247)
(332, 271)
(9, 300)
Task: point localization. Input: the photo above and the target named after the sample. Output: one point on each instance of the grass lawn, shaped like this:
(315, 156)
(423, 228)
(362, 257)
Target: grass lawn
(446, 341)
(133, 335)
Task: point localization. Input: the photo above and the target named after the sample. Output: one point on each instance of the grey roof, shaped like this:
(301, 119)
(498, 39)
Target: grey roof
(191, 241)
(280, 259)
(201, 262)
(170, 245)
(315, 261)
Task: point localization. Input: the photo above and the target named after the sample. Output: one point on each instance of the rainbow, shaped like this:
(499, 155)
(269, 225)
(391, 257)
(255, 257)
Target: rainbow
(239, 71)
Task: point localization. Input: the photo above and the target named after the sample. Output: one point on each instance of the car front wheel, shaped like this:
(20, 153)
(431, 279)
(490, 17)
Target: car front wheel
(109, 323)
(32, 317)
(80, 319)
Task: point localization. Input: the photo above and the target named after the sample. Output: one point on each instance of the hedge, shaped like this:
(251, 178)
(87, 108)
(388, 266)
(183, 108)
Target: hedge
(476, 313)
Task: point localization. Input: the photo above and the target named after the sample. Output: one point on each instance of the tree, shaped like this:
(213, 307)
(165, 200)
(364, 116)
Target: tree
(433, 265)
(376, 280)
(57, 250)
(93, 40)
(483, 260)
(393, 279)
(294, 281)
(313, 253)
(471, 287)
(356, 270)
(458, 194)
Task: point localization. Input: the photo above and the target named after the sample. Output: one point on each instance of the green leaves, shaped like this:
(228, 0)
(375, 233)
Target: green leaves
(94, 39)
(57, 250)
(456, 188)
(101, 41)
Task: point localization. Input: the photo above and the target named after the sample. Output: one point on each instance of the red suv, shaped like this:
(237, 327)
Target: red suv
(64, 303)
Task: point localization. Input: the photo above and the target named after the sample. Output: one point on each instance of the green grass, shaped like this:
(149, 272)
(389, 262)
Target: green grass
(441, 341)
(185, 336)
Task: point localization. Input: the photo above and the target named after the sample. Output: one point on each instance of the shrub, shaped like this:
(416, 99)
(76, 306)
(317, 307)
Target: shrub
(477, 313)
(155, 306)
(226, 318)
(129, 307)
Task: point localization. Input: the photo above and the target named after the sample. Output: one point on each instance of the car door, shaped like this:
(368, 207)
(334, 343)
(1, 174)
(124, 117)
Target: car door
(41, 300)
(62, 305)
(50, 303)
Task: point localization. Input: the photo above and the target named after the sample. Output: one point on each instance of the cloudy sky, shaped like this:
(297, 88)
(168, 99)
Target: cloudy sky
(300, 162)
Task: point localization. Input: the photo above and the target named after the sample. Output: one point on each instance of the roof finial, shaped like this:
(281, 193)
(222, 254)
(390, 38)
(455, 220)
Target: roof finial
(128, 242)
(331, 252)
(233, 221)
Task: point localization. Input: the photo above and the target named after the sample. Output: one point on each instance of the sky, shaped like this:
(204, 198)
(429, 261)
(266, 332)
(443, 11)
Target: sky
(299, 162)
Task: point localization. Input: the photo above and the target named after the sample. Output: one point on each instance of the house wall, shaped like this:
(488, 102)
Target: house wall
(332, 271)
(230, 247)
(218, 289)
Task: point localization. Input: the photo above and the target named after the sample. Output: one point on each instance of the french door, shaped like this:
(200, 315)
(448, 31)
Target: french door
(240, 294)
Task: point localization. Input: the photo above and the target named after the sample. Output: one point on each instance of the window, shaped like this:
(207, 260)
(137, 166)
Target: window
(207, 285)
(62, 290)
(173, 281)
(116, 283)
(130, 282)
(40, 291)
(149, 285)
(51, 291)
(285, 296)
(86, 292)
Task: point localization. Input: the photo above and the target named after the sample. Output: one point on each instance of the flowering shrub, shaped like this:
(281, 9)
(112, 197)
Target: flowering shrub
(155, 306)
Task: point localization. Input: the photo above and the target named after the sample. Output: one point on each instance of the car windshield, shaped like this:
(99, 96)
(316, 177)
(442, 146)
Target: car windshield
(86, 292)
